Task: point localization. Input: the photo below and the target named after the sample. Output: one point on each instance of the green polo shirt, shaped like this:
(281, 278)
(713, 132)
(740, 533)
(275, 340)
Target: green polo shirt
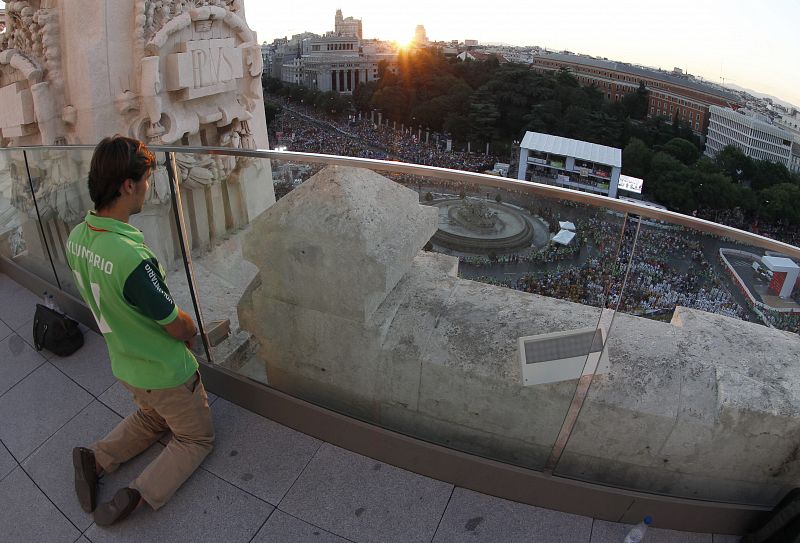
(121, 281)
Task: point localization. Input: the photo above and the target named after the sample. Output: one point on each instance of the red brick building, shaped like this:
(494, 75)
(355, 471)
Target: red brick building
(669, 93)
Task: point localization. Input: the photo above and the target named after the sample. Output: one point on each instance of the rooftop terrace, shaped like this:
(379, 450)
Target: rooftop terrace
(349, 339)
(264, 482)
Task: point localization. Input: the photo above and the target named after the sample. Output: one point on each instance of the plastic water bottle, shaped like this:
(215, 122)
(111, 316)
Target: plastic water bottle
(54, 304)
(636, 535)
(48, 300)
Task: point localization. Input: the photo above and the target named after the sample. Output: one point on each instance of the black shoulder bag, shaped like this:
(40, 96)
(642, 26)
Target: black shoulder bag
(55, 332)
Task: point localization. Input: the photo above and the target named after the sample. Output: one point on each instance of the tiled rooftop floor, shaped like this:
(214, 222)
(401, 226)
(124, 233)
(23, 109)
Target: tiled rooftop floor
(263, 482)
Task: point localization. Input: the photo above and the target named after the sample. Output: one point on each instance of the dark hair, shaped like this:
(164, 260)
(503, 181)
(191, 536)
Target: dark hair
(116, 159)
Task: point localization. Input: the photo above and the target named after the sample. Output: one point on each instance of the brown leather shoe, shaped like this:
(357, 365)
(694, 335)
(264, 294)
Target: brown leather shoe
(85, 477)
(118, 508)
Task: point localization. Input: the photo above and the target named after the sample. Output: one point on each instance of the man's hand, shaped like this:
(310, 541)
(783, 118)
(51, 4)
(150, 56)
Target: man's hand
(182, 328)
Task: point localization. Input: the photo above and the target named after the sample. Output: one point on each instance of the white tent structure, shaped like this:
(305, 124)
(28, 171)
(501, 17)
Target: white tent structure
(564, 237)
(567, 225)
(784, 274)
(599, 166)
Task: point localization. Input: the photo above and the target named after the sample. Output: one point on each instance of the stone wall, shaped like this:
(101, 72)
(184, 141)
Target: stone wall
(703, 406)
(170, 72)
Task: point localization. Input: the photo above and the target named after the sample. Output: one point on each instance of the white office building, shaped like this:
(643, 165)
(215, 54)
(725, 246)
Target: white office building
(575, 164)
(751, 133)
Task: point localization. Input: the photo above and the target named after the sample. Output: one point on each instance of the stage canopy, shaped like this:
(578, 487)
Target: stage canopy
(564, 237)
(566, 225)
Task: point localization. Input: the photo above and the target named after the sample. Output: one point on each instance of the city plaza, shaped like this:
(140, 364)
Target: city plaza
(365, 389)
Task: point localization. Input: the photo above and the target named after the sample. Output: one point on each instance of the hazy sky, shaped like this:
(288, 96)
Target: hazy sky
(751, 44)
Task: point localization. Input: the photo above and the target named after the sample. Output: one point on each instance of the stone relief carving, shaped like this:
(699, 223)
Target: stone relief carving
(55, 176)
(159, 187)
(173, 80)
(198, 171)
(17, 242)
(31, 47)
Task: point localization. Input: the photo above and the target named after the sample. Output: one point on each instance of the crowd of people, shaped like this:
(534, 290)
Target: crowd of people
(668, 268)
(737, 219)
(298, 133)
(299, 128)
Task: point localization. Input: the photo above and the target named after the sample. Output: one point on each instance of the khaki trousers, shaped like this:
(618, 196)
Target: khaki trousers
(183, 410)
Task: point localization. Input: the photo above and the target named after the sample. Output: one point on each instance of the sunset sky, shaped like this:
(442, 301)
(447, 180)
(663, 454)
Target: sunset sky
(751, 44)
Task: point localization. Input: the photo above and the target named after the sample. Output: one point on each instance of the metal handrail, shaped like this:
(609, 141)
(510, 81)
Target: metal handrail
(536, 189)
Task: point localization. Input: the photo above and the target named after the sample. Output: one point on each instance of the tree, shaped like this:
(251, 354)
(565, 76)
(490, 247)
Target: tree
(566, 79)
(683, 150)
(673, 191)
(393, 100)
(714, 191)
(271, 111)
(766, 174)
(734, 163)
(636, 158)
(780, 203)
(635, 103)
(483, 116)
(663, 164)
(543, 117)
(362, 95)
(271, 84)
(458, 125)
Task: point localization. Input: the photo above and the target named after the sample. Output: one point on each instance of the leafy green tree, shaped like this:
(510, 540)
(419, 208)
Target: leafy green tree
(544, 117)
(393, 100)
(714, 191)
(271, 84)
(566, 79)
(483, 116)
(706, 165)
(362, 95)
(663, 164)
(734, 163)
(635, 103)
(673, 190)
(636, 158)
(766, 174)
(458, 126)
(683, 150)
(271, 111)
(780, 203)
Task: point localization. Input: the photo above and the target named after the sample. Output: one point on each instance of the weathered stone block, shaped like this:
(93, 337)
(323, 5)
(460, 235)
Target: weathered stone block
(340, 242)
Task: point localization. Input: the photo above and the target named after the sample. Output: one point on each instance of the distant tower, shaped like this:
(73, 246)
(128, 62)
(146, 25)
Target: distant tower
(420, 37)
(347, 27)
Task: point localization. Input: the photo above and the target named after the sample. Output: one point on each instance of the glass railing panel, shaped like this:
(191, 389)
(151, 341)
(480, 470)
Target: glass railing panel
(701, 399)
(348, 293)
(221, 196)
(21, 239)
(64, 202)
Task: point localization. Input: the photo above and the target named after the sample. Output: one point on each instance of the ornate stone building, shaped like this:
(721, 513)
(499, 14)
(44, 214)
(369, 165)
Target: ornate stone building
(339, 61)
(348, 26)
(182, 72)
